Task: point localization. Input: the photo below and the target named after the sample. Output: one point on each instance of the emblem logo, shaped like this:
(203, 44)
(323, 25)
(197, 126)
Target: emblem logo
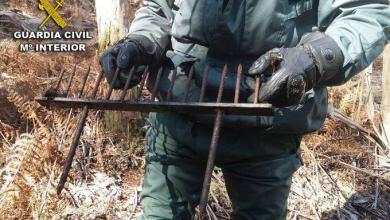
(52, 13)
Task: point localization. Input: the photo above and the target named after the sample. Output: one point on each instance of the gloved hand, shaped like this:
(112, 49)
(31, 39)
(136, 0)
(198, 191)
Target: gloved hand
(128, 52)
(288, 73)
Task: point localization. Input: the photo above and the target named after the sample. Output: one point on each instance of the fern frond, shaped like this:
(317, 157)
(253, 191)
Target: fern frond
(14, 162)
(35, 112)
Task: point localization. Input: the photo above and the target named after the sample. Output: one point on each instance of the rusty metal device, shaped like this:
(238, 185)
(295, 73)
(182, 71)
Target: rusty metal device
(218, 108)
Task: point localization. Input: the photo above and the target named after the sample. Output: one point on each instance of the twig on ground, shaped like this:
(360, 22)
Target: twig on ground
(355, 168)
(335, 114)
(211, 213)
(304, 148)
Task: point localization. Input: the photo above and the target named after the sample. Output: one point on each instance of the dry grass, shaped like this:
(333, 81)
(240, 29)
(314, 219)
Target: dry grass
(35, 140)
(107, 168)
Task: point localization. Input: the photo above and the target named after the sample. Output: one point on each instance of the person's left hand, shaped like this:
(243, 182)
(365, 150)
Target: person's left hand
(288, 73)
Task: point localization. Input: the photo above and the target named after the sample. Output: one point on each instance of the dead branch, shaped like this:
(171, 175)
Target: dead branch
(337, 115)
(367, 172)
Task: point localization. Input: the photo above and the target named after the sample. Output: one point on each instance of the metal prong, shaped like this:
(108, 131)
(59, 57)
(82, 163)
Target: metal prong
(145, 76)
(97, 83)
(238, 83)
(59, 80)
(204, 83)
(213, 148)
(210, 164)
(76, 139)
(127, 85)
(188, 84)
(257, 90)
(170, 90)
(116, 74)
(83, 82)
(157, 83)
(70, 81)
(222, 83)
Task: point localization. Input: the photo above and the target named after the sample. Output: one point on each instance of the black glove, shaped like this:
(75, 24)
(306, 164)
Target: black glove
(288, 73)
(131, 51)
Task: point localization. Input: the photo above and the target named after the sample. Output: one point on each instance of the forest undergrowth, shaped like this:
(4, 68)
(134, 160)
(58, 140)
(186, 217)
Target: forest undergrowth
(346, 174)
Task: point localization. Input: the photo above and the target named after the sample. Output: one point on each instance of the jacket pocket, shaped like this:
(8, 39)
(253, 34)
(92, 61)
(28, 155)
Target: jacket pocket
(304, 118)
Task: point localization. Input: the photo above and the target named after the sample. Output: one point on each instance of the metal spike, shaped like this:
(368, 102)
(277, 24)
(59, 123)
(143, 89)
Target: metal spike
(204, 83)
(213, 148)
(145, 76)
(222, 83)
(188, 84)
(257, 91)
(76, 139)
(57, 86)
(157, 84)
(70, 81)
(83, 82)
(238, 83)
(111, 88)
(127, 85)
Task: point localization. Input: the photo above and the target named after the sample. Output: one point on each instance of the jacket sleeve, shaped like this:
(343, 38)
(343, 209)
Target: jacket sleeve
(153, 21)
(360, 28)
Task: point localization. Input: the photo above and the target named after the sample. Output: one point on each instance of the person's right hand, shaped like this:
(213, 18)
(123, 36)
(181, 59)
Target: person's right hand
(124, 55)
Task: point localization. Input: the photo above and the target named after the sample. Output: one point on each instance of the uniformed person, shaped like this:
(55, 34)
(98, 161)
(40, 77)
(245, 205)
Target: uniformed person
(298, 47)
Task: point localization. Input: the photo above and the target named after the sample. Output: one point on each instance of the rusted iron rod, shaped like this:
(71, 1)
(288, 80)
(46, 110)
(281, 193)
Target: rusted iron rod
(70, 81)
(204, 83)
(222, 84)
(156, 84)
(149, 106)
(143, 81)
(210, 165)
(57, 86)
(76, 139)
(238, 83)
(127, 85)
(111, 88)
(83, 83)
(188, 84)
(213, 149)
(257, 90)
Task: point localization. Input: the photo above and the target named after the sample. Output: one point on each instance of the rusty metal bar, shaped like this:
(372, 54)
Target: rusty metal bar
(149, 106)
(111, 88)
(222, 84)
(204, 83)
(213, 149)
(210, 165)
(238, 83)
(257, 91)
(70, 81)
(170, 90)
(83, 82)
(188, 84)
(127, 85)
(96, 86)
(76, 139)
(143, 81)
(59, 80)
(157, 84)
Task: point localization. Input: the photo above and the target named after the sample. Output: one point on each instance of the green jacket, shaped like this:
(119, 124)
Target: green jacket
(239, 31)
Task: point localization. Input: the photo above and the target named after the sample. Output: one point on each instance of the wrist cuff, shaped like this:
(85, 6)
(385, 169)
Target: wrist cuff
(327, 55)
(147, 48)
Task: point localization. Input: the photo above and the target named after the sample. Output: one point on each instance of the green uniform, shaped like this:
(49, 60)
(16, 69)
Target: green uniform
(258, 155)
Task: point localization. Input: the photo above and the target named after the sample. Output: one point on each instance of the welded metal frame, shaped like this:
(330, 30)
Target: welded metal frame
(219, 108)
